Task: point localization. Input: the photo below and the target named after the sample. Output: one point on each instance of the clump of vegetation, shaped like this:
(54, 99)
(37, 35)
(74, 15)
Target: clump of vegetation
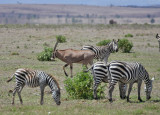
(15, 53)
(45, 55)
(128, 35)
(102, 43)
(125, 45)
(61, 39)
(81, 86)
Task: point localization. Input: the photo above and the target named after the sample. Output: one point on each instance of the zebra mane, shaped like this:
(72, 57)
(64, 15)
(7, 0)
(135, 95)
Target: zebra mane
(54, 80)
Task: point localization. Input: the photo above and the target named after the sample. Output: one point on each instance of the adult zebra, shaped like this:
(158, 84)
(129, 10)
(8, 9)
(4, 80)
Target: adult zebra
(35, 79)
(100, 74)
(102, 52)
(126, 72)
(158, 38)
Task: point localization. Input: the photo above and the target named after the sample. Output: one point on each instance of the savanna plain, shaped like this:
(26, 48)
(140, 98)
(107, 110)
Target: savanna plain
(20, 45)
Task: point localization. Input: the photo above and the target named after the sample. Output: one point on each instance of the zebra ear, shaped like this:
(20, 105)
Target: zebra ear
(118, 40)
(157, 36)
(153, 78)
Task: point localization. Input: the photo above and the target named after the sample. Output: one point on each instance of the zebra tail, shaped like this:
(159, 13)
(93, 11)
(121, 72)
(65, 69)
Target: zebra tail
(10, 78)
(85, 71)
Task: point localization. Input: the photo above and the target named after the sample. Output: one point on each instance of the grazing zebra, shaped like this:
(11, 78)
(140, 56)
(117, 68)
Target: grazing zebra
(126, 72)
(100, 74)
(102, 53)
(35, 79)
(158, 37)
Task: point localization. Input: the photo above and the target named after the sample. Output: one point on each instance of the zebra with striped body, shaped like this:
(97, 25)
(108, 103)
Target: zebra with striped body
(126, 72)
(158, 38)
(35, 79)
(102, 53)
(100, 74)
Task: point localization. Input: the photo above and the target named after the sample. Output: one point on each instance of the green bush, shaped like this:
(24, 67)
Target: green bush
(104, 42)
(128, 35)
(81, 86)
(61, 39)
(125, 45)
(45, 55)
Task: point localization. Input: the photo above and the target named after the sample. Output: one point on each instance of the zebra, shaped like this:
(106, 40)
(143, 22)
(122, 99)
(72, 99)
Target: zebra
(129, 72)
(102, 52)
(34, 79)
(100, 74)
(158, 38)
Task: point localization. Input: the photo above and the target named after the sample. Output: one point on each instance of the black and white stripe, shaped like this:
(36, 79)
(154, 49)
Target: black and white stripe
(126, 72)
(158, 38)
(102, 53)
(100, 74)
(35, 79)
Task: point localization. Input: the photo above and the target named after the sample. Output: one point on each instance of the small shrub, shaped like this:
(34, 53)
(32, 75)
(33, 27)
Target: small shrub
(125, 45)
(45, 55)
(102, 43)
(15, 53)
(81, 86)
(46, 44)
(128, 35)
(61, 39)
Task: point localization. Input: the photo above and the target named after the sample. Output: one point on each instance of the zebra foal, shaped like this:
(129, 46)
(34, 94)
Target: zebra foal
(34, 79)
(126, 72)
(103, 52)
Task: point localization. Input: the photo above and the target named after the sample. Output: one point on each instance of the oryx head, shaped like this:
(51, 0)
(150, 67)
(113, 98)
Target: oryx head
(54, 52)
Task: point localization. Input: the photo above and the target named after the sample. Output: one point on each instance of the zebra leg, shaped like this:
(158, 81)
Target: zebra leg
(95, 90)
(139, 90)
(14, 93)
(19, 93)
(111, 88)
(64, 69)
(129, 91)
(159, 46)
(42, 93)
(122, 90)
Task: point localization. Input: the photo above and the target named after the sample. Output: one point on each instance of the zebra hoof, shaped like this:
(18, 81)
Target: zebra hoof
(110, 100)
(140, 100)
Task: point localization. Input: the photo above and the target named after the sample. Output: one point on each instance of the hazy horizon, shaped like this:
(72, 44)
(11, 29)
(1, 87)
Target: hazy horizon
(88, 2)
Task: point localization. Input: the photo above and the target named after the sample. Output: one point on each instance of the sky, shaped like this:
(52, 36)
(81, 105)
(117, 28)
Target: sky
(86, 2)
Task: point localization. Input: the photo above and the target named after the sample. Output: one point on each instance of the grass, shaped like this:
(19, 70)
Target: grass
(34, 38)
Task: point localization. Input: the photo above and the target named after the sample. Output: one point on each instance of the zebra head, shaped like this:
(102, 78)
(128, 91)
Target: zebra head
(157, 36)
(56, 96)
(148, 89)
(114, 45)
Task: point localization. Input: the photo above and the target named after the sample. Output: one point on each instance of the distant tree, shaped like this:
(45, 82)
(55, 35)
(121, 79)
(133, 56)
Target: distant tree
(112, 21)
(152, 20)
(148, 15)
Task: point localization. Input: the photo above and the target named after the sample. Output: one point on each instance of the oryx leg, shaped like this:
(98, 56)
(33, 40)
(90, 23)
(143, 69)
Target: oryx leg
(64, 69)
(71, 67)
